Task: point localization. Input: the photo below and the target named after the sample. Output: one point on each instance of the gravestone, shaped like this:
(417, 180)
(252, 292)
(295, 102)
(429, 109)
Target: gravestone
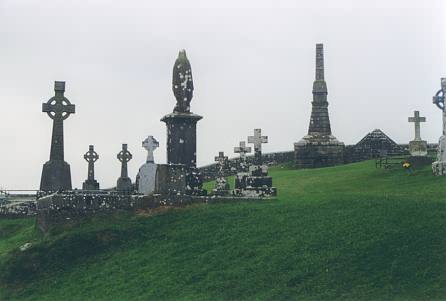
(319, 148)
(170, 183)
(439, 166)
(124, 183)
(240, 178)
(56, 174)
(417, 147)
(91, 157)
(147, 172)
(257, 183)
(181, 125)
(221, 183)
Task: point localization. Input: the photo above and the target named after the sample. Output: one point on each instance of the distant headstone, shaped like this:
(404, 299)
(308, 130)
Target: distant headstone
(240, 178)
(258, 140)
(439, 166)
(417, 147)
(56, 173)
(91, 157)
(221, 183)
(147, 172)
(124, 183)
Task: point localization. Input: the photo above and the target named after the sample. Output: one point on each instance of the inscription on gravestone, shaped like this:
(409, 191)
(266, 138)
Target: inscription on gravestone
(56, 173)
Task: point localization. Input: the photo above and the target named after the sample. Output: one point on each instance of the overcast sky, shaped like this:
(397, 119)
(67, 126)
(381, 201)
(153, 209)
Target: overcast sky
(252, 63)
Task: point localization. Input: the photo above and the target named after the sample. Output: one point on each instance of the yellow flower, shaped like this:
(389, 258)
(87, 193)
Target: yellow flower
(406, 165)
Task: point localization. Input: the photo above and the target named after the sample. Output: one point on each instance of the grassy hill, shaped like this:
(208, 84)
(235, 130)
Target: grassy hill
(351, 232)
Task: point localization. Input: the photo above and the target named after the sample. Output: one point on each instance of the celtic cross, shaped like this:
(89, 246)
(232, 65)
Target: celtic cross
(439, 99)
(58, 109)
(91, 157)
(150, 144)
(124, 156)
(258, 140)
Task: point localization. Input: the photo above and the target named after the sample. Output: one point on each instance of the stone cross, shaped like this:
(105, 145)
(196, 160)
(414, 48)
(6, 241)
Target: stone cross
(417, 120)
(221, 161)
(124, 157)
(258, 140)
(150, 144)
(242, 149)
(58, 109)
(91, 157)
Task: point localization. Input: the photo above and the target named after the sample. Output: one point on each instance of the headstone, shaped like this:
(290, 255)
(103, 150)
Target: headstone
(91, 157)
(221, 183)
(56, 173)
(170, 183)
(124, 183)
(319, 148)
(181, 124)
(257, 140)
(147, 172)
(439, 166)
(417, 147)
(240, 178)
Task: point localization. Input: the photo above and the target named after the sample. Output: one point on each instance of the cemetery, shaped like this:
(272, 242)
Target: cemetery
(328, 218)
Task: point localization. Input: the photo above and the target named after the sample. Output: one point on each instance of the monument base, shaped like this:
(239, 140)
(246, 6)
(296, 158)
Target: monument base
(124, 185)
(56, 176)
(418, 148)
(90, 185)
(439, 168)
(315, 152)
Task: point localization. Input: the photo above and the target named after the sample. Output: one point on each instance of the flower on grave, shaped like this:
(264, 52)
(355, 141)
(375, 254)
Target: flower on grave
(406, 165)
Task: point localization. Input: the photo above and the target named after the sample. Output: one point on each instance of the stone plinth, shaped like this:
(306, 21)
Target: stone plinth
(170, 179)
(56, 176)
(418, 148)
(314, 152)
(90, 185)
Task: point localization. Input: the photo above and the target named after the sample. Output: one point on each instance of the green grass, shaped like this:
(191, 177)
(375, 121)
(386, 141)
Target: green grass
(351, 232)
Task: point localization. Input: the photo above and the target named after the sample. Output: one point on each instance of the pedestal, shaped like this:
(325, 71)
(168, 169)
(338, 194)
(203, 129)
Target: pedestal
(418, 148)
(439, 166)
(124, 185)
(90, 185)
(316, 152)
(56, 176)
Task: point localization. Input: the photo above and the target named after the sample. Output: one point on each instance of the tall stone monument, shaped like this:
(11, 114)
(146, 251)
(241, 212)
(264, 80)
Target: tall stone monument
(147, 172)
(124, 183)
(417, 147)
(439, 166)
(56, 173)
(91, 157)
(319, 148)
(182, 124)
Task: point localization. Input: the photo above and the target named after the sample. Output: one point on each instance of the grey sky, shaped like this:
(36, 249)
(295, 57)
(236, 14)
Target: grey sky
(252, 62)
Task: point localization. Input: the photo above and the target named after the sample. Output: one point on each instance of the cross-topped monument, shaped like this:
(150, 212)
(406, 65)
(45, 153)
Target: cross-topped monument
(91, 157)
(417, 120)
(150, 144)
(124, 183)
(242, 149)
(221, 160)
(56, 173)
(258, 140)
(439, 166)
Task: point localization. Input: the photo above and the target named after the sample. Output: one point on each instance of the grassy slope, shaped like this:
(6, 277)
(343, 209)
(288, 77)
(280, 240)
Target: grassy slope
(350, 232)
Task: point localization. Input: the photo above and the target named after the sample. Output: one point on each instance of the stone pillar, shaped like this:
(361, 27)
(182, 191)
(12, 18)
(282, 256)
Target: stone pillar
(439, 166)
(56, 174)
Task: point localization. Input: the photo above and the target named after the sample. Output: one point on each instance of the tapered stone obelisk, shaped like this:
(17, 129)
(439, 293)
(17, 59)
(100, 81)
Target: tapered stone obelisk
(319, 148)
(56, 173)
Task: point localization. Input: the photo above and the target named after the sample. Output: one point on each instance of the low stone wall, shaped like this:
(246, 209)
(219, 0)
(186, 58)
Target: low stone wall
(24, 209)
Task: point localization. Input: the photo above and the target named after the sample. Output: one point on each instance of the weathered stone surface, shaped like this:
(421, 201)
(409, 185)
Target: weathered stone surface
(124, 183)
(439, 166)
(147, 172)
(222, 186)
(56, 174)
(170, 180)
(319, 148)
(417, 147)
(91, 157)
(182, 83)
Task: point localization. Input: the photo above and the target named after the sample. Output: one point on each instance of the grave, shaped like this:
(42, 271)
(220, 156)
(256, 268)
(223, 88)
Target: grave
(124, 183)
(91, 157)
(439, 166)
(243, 167)
(56, 174)
(257, 183)
(147, 172)
(418, 147)
(222, 186)
(182, 125)
(319, 148)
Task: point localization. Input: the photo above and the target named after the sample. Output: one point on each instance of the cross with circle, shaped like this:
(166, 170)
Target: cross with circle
(91, 157)
(124, 156)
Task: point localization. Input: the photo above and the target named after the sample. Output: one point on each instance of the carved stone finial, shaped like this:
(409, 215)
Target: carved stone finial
(182, 83)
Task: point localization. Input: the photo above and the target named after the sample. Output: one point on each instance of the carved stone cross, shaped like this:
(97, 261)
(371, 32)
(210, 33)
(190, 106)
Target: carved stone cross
(58, 108)
(124, 156)
(91, 157)
(221, 161)
(417, 120)
(242, 149)
(258, 140)
(150, 144)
